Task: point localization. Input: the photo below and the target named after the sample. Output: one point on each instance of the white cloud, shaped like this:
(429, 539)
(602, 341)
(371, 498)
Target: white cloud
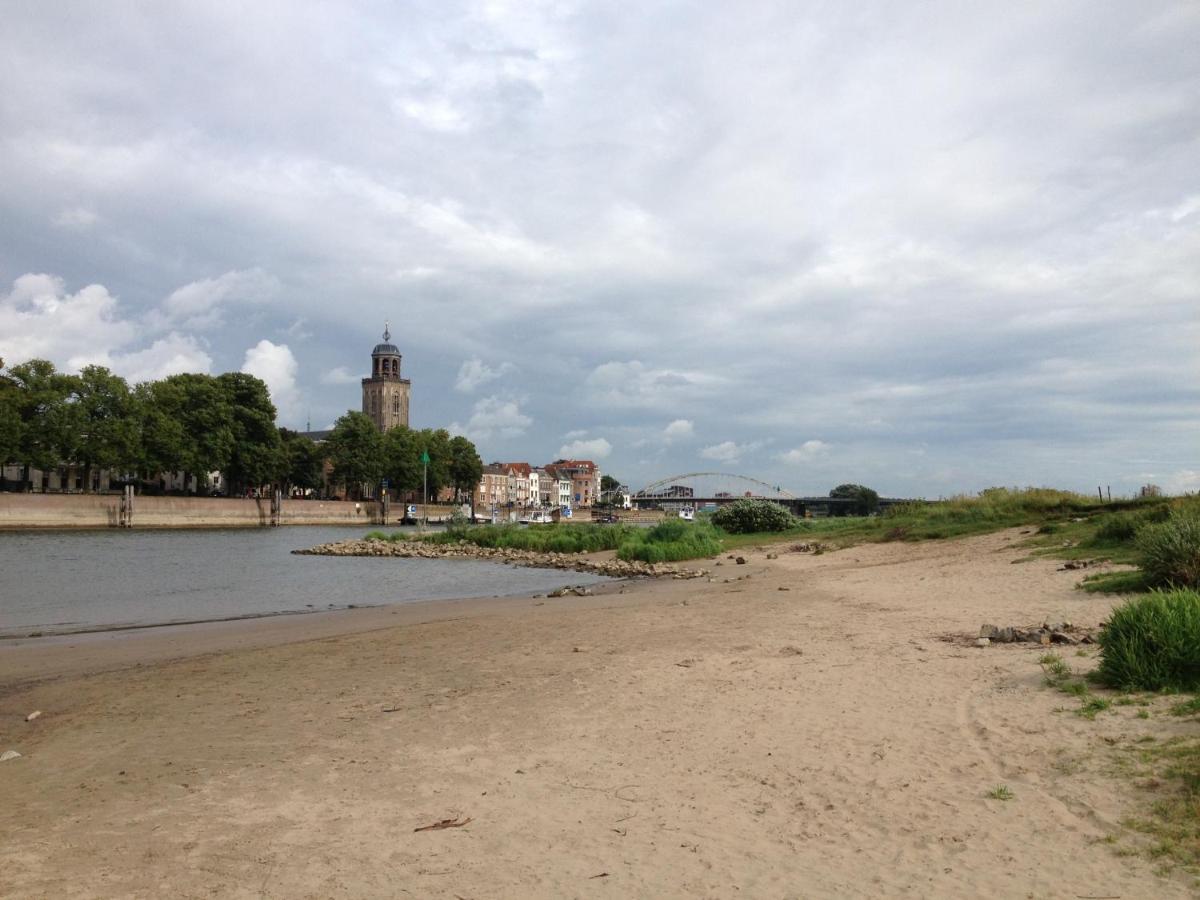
(199, 304)
(494, 416)
(574, 434)
(806, 452)
(729, 451)
(597, 448)
(474, 373)
(41, 320)
(275, 364)
(679, 430)
(169, 355)
(340, 375)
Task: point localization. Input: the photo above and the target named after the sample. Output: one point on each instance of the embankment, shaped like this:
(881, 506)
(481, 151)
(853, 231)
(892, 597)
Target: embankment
(19, 511)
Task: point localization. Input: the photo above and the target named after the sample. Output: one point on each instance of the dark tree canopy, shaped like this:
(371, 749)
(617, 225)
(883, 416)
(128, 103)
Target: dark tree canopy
(867, 499)
(256, 456)
(304, 461)
(356, 450)
(402, 460)
(466, 468)
(608, 483)
(107, 422)
(201, 438)
(10, 418)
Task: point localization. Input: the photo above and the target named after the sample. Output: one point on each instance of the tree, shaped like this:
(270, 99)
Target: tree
(10, 420)
(356, 450)
(867, 499)
(608, 484)
(47, 435)
(256, 456)
(466, 468)
(304, 460)
(105, 421)
(436, 442)
(187, 425)
(402, 460)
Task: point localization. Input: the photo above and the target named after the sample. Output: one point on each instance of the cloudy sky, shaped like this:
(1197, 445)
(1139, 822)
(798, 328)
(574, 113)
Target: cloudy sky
(930, 247)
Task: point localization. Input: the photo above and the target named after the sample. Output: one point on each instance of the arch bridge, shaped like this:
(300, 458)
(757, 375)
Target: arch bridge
(709, 489)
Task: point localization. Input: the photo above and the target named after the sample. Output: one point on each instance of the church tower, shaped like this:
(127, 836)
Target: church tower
(385, 394)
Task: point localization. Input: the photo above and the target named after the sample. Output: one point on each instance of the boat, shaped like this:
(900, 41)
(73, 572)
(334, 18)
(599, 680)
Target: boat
(537, 517)
(687, 514)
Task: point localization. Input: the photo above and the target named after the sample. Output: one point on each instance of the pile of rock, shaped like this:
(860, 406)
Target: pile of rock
(1046, 633)
(613, 568)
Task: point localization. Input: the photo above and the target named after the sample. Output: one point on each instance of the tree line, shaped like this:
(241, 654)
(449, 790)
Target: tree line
(361, 455)
(196, 424)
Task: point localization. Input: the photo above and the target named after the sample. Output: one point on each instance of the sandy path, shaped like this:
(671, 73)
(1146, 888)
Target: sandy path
(685, 739)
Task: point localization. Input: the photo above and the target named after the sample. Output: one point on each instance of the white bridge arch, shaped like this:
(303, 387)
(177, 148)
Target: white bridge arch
(713, 484)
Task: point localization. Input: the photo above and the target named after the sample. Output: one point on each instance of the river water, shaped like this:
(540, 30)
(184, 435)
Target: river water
(69, 581)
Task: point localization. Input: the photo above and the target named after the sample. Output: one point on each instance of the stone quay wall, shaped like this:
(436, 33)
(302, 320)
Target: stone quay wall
(20, 511)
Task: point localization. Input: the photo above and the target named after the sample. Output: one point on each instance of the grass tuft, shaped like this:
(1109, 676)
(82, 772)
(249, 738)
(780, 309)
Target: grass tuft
(1152, 643)
(1000, 792)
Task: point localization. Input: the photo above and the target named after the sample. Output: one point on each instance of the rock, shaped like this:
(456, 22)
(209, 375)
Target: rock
(1053, 626)
(33, 715)
(982, 642)
(772, 556)
(784, 587)
(1004, 635)
(1044, 639)
(1061, 637)
(9, 754)
(741, 560)
(987, 630)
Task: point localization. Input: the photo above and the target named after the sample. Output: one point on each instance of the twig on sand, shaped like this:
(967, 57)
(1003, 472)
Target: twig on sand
(601, 875)
(391, 709)
(445, 823)
(632, 815)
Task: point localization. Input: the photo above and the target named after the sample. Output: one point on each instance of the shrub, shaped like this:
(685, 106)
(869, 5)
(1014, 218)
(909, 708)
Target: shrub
(749, 516)
(1170, 550)
(1153, 642)
(671, 541)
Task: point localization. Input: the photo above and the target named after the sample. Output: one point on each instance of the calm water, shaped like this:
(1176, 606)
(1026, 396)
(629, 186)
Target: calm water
(72, 581)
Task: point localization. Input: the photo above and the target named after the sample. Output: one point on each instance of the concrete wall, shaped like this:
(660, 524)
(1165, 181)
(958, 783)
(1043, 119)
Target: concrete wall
(101, 511)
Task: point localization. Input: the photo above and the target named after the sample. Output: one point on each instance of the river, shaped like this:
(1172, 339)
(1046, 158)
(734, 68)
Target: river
(57, 582)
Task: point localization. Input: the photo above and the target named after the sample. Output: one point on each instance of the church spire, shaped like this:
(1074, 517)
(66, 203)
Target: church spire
(387, 332)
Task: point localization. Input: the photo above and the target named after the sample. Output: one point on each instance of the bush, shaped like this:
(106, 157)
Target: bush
(562, 538)
(671, 541)
(1170, 550)
(750, 516)
(1153, 642)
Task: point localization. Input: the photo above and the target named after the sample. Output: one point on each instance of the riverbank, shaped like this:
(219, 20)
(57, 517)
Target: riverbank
(816, 725)
(594, 563)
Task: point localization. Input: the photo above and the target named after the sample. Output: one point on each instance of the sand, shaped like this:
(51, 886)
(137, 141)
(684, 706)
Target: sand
(681, 739)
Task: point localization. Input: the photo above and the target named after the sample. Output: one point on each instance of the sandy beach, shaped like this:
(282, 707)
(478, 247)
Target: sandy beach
(805, 726)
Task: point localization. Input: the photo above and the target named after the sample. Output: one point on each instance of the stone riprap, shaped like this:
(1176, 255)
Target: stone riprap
(572, 562)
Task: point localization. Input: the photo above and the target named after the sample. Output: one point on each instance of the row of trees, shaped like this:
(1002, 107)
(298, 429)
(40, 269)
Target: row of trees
(361, 456)
(197, 424)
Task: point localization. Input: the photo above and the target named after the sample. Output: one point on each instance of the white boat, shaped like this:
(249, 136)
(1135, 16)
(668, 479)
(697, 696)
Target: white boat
(537, 517)
(687, 514)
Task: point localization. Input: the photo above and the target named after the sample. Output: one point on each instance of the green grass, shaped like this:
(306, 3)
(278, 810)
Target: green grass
(1134, 582)
(1187, 708)
(1171, 770)
(560, 538)
(1000, 792)
(1152, 643)
(671, 540)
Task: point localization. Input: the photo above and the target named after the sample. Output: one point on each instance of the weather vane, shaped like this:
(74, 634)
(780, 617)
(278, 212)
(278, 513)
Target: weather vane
(387, 332)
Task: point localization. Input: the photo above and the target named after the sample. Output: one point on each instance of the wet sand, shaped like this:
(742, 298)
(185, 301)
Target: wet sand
(815, 726)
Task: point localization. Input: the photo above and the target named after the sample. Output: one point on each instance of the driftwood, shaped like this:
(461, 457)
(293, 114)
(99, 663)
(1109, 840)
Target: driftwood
(445, 823)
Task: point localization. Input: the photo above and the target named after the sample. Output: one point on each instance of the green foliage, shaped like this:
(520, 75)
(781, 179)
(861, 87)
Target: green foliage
(753, 516)
(671, 541)
(107, 421)
(1152, 642)
(867, 501)
(561, 538)
(608, 483)
(466, 468)
(1170, 551)
(256, 456)
(356, 450)
(436, 442)
(47, 435)
(304, 461)
(1000, 792)
(186, 424)
(10, 418)
(402, 460)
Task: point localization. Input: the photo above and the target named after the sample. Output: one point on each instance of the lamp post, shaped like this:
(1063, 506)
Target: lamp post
(425, 491)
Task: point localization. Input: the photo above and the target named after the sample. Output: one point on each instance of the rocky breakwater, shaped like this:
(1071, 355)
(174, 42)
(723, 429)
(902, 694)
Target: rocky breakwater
(572, 562)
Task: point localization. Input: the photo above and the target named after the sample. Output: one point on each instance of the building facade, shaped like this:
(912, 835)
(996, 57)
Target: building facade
(385, 395)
